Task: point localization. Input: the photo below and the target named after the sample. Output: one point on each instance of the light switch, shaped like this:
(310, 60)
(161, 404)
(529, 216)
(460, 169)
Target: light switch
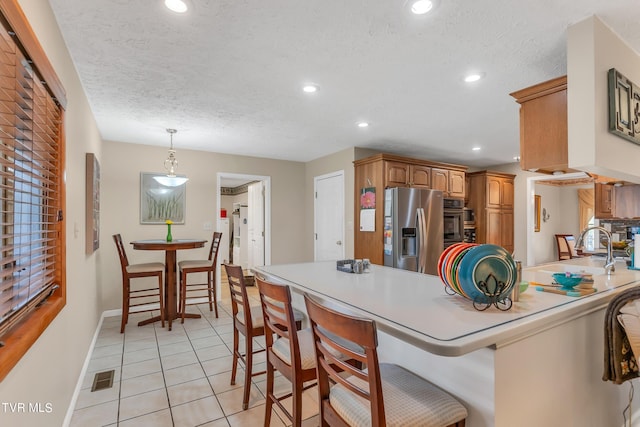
(207, 226)
(76, 230)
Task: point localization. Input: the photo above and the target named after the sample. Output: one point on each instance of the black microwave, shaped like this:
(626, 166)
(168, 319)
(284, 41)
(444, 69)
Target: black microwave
(469, 216)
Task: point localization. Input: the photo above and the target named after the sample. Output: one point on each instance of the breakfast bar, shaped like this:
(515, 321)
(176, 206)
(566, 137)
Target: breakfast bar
(535, 364)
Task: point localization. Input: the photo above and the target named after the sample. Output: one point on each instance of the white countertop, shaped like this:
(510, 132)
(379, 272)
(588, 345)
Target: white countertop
(415, 308)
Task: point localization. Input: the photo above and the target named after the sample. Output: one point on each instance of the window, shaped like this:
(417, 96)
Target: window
(32, 256)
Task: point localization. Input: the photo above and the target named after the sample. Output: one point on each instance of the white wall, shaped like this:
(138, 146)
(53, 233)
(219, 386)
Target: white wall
(592, 49)
(49, 370)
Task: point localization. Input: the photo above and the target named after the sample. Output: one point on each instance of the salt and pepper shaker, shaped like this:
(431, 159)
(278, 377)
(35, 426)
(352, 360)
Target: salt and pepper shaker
(515, 291)
(366, 264)
(357, 266)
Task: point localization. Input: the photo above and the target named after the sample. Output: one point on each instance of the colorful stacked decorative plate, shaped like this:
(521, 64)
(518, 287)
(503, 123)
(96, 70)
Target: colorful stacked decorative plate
(482, 273)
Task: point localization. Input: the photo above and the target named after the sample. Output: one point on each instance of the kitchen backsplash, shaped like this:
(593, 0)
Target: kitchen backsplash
(621, 226)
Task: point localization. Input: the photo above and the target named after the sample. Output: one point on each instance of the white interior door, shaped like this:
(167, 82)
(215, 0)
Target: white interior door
(255, 224)
(329, 216)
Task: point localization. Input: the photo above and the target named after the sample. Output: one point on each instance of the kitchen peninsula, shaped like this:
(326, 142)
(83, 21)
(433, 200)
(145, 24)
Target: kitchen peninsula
(539, 363)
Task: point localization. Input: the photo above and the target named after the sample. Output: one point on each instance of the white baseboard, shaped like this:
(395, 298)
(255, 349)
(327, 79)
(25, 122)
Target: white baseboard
(85, 366)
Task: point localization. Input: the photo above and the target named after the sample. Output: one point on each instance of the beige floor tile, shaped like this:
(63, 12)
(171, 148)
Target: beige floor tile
(176, 335)
(219, 365)
(312, 422)
(142, 384)
(212, 352)
(142, 344)
(209, 341)
(140, 355)
(222, 422)
(109, 339)
(309, 408)
(87, 398)
(98, 415)
(222, 382)
(253, 417)
(183, 374)
(142, 404)
(174, 348)
(178, 359)
(231, 401)
(108, 350)
(105, 363)
(140, 368)
(204, 332)
(155, 419)
(197, 412)
(189, 391)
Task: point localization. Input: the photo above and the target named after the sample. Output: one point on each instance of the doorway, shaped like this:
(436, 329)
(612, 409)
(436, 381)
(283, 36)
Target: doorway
(329, 216)
(227, 179)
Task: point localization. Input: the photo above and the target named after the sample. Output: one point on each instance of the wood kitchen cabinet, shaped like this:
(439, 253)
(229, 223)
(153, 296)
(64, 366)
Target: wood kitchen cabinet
(604, 201)
(386, 170)
(543, 126)
(491, 196)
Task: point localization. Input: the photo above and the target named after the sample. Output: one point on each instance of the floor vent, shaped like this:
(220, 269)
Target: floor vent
(103, 380)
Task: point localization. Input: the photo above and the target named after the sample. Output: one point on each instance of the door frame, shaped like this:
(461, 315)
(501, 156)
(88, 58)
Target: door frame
(315, 211)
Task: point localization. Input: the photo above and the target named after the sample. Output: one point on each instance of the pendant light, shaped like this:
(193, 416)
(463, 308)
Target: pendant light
(171, 164)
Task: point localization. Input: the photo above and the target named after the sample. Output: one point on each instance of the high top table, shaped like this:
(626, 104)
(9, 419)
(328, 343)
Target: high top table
(170, 277)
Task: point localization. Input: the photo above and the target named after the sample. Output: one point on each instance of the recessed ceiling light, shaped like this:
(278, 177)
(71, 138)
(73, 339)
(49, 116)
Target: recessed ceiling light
(178, 6)
(420, 7)
(470, 78)
(476, 148)
(363, 125)
(310, 88)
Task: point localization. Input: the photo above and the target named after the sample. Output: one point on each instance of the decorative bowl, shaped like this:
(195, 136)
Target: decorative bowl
(567, 280)
(619, 245)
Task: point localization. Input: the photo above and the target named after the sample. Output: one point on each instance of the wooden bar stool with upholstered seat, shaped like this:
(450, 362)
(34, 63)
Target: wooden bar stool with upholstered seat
(289, 350)
(380, 395)
(150, 299)
(202, 292)
(248, 321)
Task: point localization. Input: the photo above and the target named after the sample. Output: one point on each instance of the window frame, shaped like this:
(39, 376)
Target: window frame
(24, 334)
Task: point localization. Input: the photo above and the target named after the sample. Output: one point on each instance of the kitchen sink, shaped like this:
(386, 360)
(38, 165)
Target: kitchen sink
(563, 268)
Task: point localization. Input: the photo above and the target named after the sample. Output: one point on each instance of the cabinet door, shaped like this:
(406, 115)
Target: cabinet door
(493, 232)
(456, 184)
(507, 193)
(420, 176)
(604, 201)
(494, 192)
(396, 174)
(440, 180)
(506, 225)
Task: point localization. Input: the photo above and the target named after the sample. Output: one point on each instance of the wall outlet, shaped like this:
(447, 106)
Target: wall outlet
(207, 226)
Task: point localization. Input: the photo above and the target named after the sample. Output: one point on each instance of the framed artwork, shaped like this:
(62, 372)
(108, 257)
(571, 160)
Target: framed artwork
(624, 107)
(159, 203)
(536, 204)
(92, 211)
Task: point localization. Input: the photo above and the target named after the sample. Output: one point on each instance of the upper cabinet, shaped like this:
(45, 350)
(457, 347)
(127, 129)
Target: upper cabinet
(385, 170)
(604, 201)
(543, 126)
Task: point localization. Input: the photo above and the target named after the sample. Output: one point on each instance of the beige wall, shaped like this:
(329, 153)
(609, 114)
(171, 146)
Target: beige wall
(121, 170)
(49, 371)
(592, 49)
(340, 161)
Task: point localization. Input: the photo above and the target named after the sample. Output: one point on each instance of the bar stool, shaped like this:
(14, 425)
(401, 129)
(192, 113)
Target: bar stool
(200, 266)
(380, 395)
(145, 296)
(289, 351)
(248, 321)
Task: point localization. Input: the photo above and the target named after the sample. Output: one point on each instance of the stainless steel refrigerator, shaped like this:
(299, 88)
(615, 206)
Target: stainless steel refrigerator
(413, 229)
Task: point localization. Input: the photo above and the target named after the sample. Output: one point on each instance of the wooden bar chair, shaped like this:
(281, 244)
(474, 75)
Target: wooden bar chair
(147, 299)
(566, 245)
(380, 395)
(289, 349)
(202, 292)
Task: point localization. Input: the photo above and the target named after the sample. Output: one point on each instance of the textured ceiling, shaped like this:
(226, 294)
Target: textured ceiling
(228, 74)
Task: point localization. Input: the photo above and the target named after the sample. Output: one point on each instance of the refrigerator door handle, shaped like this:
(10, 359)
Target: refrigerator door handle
(421, 235)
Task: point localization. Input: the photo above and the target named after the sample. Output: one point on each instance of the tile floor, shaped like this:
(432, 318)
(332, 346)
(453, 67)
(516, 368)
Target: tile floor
(177, 378)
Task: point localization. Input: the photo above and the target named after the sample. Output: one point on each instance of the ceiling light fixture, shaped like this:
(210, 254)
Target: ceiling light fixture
(516, 158)
(476, 148)
(310, 88)
(363, 125)
(178, 6)
(470, 78)
(171, 164)
(420, 7)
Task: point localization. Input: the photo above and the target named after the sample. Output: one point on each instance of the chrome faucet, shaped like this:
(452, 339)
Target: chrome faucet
(609, 263)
